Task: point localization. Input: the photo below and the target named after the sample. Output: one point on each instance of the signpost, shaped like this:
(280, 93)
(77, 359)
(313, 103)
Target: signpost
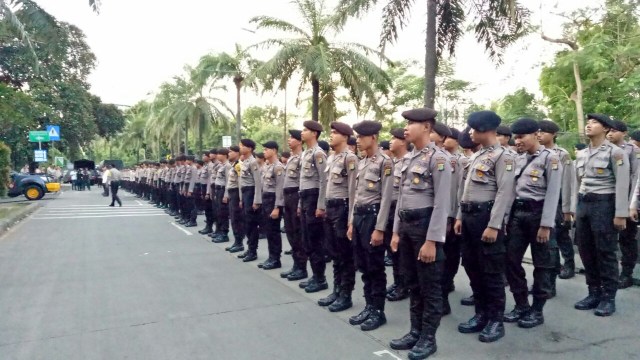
(54, 132)
(38, 136)
(226, 141)
(59, 161)
(40, 155)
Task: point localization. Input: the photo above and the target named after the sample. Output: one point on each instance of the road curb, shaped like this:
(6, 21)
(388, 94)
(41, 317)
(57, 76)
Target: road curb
(6, 224)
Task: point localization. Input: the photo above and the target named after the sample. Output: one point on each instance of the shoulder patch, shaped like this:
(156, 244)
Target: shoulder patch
(508, 164)
(619, 158)
(320, 157)
(440, 160)
(554, 164)
(254, 167)
(387, 168)
(351, 164)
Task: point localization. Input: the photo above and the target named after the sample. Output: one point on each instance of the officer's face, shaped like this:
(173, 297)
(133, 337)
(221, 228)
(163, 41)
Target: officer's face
(594, 128)
(503, 139)
(293, 142)
(450, 144)
(244, 150)
(545, 138)
(525, 142)
(233, 156)
(416, 130)
(336, 139)
(221, 158)
(615, 136)
(395, 144)
(436, 138)
(269, 153)
(308, 135)
(366, 142)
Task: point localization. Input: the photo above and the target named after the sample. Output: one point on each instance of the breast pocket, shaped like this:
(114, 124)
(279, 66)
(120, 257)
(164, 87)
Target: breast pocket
(535, 178)
(336, 175)
(307, 170)
(372, 181)
(480, 173)
(600, 168)
(418, 178)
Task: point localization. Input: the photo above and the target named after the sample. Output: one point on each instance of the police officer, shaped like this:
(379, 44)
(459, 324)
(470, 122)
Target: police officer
(291, 199)
(190, 178)
(486, 200)
(251, 188)
(113, 179)
(179, 179)
(341, 176)
(368, 221)
(627, 240)
(635, 137)
(566, 210)
(222, 208)
(504, 136)
(232, 198)
(211, 191)
(439, 134)
(170, 186)
(399, 148)
(419, 231)
(311, 206)
(272, 204)
(353, 145)
(537, 193)
(603, 197)
(204, 203)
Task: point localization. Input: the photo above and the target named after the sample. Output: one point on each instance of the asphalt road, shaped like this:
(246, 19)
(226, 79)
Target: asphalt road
(79, 280)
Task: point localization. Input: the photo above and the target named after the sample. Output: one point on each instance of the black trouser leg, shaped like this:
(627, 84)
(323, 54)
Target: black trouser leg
(339, 247)
(114, 193)
(293, 229)
(207, 206)
(629, 247)
(251, 218)
(395, 256)
(313, 233)
(271, 226)
(237, 224)
(451, 249)
(222, 222)
(369, 259)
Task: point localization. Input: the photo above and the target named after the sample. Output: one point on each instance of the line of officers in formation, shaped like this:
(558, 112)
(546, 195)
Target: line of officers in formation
(432, 205)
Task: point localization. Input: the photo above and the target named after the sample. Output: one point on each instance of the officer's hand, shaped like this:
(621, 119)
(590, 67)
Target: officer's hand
(256, 206)
(275, 213)
(427, 252)
(240, 204)
(489, 235)
(633, 214)
(349, 231)
(225, 200)
(377, 238)
(457, 227)
(395, 240)
(207, 197)
(189, 194)
(320, 213)
(620, 223)
(568, 218)
(543, 235)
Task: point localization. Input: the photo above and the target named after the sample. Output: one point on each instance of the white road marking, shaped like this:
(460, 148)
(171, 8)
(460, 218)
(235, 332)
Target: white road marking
(181, 229)
(108, 211)
(107, 214)
(45, 217)
(88, 206)
(139, 203)
(386, 352)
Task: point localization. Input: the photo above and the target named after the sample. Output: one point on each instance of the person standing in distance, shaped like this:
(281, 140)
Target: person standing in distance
(272, 203)
(419, 231)
(251, 199)
(113, 180)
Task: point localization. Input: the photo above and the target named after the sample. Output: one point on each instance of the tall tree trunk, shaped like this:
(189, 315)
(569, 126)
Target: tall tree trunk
(238, 111)
(284, 136)
(430, 59)
(578, 100)
(138, 156)
(315, 99)
(200, 130)
(186, 137)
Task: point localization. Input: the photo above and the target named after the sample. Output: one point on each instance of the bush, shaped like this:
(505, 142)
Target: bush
(5, 161)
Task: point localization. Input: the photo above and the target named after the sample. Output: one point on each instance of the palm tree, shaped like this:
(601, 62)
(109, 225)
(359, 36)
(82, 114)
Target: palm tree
(133, 135)
(308, 51)
(498, 23)
(237, 66)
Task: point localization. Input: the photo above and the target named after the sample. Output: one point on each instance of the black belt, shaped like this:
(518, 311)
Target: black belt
(366, 209)
(291, 190)
(336, 202)
(309, 192)
(233, 190)
(248, 188)
(596, 197)
(218, 187)
(475, 207)
(269, 195)
(528, 205)
(410, 215)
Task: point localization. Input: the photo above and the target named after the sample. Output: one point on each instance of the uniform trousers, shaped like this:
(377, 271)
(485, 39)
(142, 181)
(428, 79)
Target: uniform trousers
(251, 218)
(395, 256)
(312, 232)
(272, 226)
(292, 227)
(338, 245)
(369, 260)
(235, 213)
(222, 220)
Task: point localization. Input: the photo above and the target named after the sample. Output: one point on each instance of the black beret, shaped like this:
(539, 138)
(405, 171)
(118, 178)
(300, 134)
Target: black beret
(465, 139)
(223, 151)
(181, 158)
(384, 145)
(581, 146)
(442, 129)
(635, 135)
(200, 162)
(367, 127)
(420, 114)
(484, 120)
(234, 148)
(270, 145)
(163, 161)
(398, 133)
(548, 126)
(313, 125)
(342, 128)
(511, 142)
(190, 158)
(605, 120)
(172, 162)
(504, 130)
(352, 141)
(455, 133)
(619, 125)
(206, 153)
(260, 155)
(248, 143)
(213, 151)
(296, 134)
(324, 145)
(285, 154)
(525, 126)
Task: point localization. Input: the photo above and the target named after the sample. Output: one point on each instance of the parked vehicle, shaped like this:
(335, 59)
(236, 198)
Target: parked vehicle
(32, 186)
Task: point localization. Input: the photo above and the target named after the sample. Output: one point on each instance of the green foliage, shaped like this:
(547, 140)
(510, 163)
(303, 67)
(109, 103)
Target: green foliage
(109, 119)
(5, 168)
(517, 105)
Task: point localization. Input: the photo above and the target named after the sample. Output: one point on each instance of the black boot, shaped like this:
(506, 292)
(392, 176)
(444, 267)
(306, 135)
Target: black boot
(222, 238)
(398, 294)
(298, 274)
(518, 312)
(273, 264)
(567, 272)
(591, 301)
(391, 288)
(362, 316)
(326, 301)
(468, 301)
(494, 331)
(191, 224)
(424, 348)
(446, 307)
(374, 321)
(251, 256)
(407, 342)
(534, 317)
(474, 325)
(285, 274)
(318, 285)
(304, 284)
(607, 305)
(343, 302)
(236, 248)
(625, 281)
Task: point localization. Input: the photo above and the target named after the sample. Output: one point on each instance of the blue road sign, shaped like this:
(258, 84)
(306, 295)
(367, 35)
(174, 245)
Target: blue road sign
(40, 155)
(54, 132)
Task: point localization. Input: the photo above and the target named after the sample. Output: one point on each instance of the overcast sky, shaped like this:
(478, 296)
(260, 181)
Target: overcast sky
(141, 43)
